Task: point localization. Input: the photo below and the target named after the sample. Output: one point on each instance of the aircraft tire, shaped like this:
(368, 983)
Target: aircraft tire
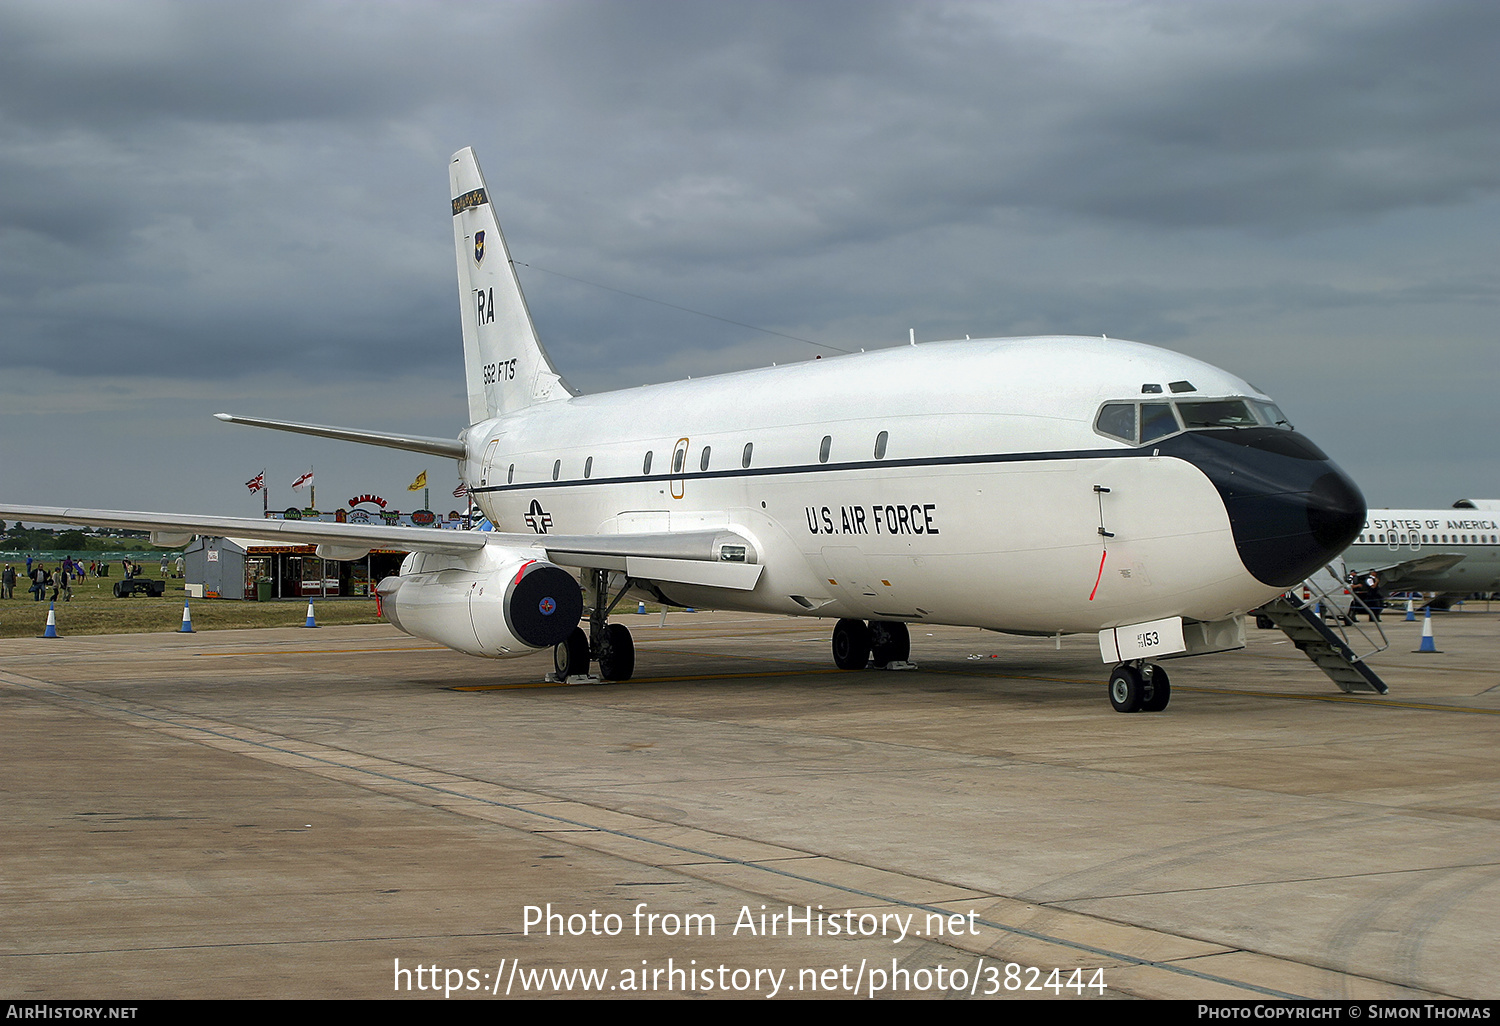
(1160, 692)
(617, 654)
(570, 657)
(1125, 689)
(851, 644)
(890, 642)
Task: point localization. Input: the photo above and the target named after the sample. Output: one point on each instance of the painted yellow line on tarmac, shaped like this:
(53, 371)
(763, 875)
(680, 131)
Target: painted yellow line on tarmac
(641, 680)
(1371, 700)
(323, 651)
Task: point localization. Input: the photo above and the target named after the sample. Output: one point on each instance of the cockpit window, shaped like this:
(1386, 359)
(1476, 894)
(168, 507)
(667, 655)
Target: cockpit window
(1217, 414)
(1157, 421)
(1139, 423)
(1117, 420)
(1271, 414)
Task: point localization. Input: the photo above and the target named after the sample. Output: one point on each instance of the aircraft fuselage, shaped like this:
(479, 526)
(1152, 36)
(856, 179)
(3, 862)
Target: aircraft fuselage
(1408, 548)
(959, 483)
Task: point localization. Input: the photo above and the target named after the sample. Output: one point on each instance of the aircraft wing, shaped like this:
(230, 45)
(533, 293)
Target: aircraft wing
(1395, 573)
(714, 558)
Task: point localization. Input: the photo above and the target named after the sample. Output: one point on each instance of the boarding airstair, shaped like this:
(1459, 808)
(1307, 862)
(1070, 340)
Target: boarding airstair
(1328, 646)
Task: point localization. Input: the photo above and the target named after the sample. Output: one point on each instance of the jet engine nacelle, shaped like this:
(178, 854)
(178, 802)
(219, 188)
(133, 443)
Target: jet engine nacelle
(497, 602)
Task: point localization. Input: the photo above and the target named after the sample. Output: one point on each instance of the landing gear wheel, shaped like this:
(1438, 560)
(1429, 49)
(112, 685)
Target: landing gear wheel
(890, 642)
(851, 645)
(1125, 689)
(617, 653)
(570, 657)
(1158, 692)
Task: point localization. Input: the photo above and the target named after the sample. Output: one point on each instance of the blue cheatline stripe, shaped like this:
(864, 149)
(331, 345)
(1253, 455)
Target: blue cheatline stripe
(828, 468)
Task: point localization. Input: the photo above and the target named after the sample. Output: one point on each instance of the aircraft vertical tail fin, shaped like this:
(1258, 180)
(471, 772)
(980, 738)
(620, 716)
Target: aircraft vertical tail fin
(504, 363)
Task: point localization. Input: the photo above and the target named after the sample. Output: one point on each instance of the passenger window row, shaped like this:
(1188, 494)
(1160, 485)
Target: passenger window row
(1396, 538)
(825, 449)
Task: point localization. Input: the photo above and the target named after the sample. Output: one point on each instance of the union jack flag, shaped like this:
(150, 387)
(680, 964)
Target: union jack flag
(256, 483)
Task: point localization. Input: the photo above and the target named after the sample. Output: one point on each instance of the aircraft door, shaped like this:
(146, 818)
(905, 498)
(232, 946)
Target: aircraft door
(487, 468)
(679, 468)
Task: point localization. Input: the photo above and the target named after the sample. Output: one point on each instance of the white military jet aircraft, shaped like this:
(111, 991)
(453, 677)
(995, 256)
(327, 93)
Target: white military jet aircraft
(1448, 551)
(1033, 486)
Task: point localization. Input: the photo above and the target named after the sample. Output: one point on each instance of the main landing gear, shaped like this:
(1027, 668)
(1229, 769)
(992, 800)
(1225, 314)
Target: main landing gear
(1139, 686)
(608, 644)
(882, 642)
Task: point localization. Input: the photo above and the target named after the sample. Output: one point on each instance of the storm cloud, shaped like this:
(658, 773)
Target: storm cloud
(210, 205)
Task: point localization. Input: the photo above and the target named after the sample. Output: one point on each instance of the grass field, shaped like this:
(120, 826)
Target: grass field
(95, 610)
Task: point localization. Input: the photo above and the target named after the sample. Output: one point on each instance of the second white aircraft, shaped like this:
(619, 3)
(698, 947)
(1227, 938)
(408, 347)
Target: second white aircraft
(1450, 552)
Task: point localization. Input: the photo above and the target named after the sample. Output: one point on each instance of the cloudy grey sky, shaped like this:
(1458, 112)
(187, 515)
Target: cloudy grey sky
(244, 207)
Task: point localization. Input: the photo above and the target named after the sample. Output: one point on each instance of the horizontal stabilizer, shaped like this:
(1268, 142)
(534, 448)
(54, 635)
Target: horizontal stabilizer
(451, 448)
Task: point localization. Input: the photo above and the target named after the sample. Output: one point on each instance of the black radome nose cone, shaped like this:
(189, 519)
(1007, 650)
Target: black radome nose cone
(1335, 511)
(1291, 509)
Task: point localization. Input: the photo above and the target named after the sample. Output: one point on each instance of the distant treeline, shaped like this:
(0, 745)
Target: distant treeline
(40, 539)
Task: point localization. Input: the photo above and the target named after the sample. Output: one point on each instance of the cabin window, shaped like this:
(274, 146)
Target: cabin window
(745, 458)
(646, 466)
(880, 441)
(588, 467)
(510, 475)
(825, 448)
(1117, 420)
(703, 460)
(556, 468)
(677, 458)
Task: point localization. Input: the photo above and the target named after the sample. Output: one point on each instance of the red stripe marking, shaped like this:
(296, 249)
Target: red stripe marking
(1101, 575)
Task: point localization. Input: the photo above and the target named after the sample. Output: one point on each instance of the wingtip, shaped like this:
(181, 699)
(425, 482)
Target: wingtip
(223, 416)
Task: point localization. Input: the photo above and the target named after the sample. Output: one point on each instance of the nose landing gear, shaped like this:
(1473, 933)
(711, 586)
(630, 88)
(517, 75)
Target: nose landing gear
(1139, 686)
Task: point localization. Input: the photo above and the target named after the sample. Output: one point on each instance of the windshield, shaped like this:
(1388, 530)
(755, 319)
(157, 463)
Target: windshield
(1217, 413)
(1142, 422)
